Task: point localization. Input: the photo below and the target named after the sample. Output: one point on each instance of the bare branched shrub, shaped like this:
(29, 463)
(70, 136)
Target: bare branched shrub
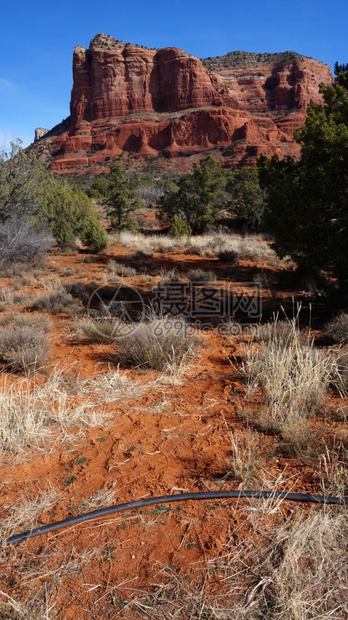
(23, 343)
(57, 302)
(156, 343)
(21, 241)
(338, 328)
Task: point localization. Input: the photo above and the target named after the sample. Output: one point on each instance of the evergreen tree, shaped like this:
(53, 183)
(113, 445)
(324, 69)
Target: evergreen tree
(307, 204)
(246, 196)
(196, 201)
(121, 200)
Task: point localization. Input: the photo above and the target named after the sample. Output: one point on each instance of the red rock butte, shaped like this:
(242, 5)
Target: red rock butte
(150, 102)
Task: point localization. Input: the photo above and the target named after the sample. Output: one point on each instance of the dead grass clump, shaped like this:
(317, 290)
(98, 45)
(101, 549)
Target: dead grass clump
(248, 247)
(99, 499)
(283, 332)
(57, 302)
(245, 462)
(201, 276)
(302, 573)
(26, 513)
(23, 343)
(113, 386)
(100, 330)
(177, 595)
(338, 328)
(29, 412)
(294, 378)
(17, 610)
(156, 343)
(333, 472)
(119, 269)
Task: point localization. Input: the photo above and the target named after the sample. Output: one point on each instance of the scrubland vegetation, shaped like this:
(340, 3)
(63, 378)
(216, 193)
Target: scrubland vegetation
(106, 397)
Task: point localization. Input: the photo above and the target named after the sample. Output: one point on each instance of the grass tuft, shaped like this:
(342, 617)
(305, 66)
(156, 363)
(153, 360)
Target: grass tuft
(157, 343)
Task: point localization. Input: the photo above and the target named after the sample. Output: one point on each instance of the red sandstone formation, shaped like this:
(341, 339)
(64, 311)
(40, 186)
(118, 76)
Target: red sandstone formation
(131, 99)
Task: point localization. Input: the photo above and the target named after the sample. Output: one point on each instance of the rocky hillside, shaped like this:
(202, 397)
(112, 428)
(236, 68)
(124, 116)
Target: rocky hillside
(140, 102)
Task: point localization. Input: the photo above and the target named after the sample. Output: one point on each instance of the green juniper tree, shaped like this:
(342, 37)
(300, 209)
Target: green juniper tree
(247, 198)
(197, 199)
(307, 204)
(121, 200)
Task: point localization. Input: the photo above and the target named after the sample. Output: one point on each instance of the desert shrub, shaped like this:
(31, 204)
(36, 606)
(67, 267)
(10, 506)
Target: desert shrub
(141, 255)
(179, 228)
(29, 192)
(21, 241)
(156, 343)
(23, 347)
(99, 187)
(57, 302)
(70, 214)
(201, 276)
(309, 195)
(228, 256)
(338, 328)
(26, 320)
(120, 270)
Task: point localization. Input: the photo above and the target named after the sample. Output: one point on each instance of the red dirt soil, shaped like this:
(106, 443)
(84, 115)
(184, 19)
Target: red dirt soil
(167, 439)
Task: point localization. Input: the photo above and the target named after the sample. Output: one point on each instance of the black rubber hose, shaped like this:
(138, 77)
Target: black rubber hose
(180, 497)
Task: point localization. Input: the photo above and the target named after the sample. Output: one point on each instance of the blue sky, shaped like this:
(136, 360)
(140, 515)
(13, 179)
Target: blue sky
(38, 38)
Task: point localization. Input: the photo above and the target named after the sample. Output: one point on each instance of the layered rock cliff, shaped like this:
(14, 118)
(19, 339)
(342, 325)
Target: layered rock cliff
(130, 99)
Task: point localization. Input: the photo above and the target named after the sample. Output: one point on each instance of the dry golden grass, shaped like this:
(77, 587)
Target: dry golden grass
(29, 412)
(294, 378)
(157, 343)
(252, 247)
(293, 568)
